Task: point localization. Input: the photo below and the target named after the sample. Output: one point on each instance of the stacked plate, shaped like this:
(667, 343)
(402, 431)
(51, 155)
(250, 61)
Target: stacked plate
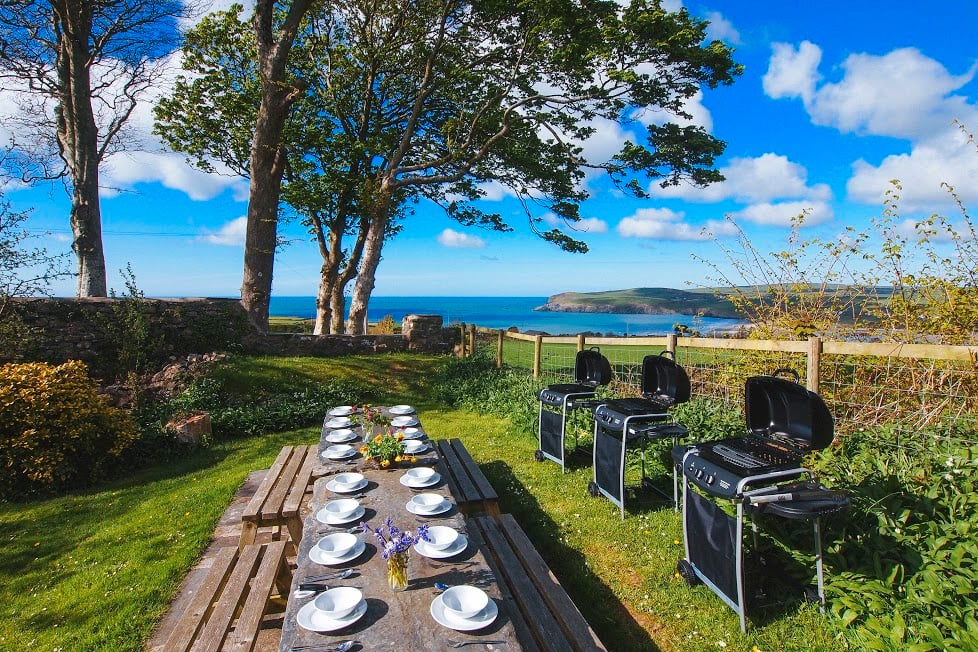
(337, 549)
(347, 483)
(340, 436)
(412, 433)
(333, 609)
(420, 477)
(339, 452)
(337, 422)
(338, 512)
(464, 608)
(428, 505)
(401, 410)
(413, 446)
(341, 411)
(444, 542)
(402, 422)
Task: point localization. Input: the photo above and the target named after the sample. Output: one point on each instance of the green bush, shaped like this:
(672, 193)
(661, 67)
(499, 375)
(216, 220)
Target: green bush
(56, 432)
(906, 554)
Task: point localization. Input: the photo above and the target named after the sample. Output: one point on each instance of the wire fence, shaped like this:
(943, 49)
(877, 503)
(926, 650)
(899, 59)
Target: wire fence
(920, 393)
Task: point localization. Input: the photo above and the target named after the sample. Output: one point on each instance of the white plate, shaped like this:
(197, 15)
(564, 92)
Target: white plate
(482, 619)
(413, 433)
(414, 451)
(323, 624)
(341, 436)
(341, 411)
(332, 486)
(407, 482)
(461, 543)
(400, 422)
(323, 517)
(339, 452)
(444, 507)
(402, 410)
(337, 422)
(317, 556)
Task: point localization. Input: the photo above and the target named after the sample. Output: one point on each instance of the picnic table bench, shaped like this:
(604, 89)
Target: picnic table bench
(547, 616)
(467, 482)
(240, 583)
(277, 500)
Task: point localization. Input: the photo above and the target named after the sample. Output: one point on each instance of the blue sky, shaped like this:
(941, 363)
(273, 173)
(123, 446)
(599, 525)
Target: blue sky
(837, 98)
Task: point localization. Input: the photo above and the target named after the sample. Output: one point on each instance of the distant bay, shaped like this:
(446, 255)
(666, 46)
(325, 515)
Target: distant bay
(504, 312)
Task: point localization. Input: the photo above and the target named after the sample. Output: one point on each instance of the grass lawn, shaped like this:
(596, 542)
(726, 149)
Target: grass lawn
(95, 570)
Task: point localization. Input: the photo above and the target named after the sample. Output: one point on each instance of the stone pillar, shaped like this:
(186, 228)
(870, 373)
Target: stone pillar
(422, 332)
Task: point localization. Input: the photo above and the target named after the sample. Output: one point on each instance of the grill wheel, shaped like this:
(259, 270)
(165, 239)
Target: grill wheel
(538, 456)
(687, 573)
(592, 488)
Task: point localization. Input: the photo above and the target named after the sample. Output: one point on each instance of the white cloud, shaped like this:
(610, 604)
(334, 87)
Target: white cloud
(126, 169)
(694, 106)
(921, 173)
(231, 234)
(458, 240)
(721, 29)
(666, 224)
(792, 72)
(781, 213)
(760, 179)
(585, 224)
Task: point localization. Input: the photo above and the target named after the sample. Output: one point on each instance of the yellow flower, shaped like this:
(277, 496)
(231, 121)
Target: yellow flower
(400, 436)
(363, 449)
(397, 458)
(377, 439)
(385, 463)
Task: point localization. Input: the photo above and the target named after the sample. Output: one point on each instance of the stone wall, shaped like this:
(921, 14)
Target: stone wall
(91, 330)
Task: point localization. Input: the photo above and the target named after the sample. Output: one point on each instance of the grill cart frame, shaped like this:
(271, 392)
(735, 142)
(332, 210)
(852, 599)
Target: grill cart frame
(639, 421)
(795, 421)
(557, 402)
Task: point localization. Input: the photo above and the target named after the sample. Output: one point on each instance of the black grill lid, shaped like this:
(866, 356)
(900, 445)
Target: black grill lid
(592, 368)
(783, 409)
(663, 380)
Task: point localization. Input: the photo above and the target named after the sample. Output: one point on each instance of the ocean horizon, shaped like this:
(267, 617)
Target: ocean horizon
(518, 312)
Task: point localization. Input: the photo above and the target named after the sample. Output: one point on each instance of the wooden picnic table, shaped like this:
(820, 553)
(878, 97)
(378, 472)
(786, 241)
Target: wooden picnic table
(395, 620)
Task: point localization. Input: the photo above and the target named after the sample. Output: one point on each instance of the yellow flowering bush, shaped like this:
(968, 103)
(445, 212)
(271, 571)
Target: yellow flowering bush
(56, 432)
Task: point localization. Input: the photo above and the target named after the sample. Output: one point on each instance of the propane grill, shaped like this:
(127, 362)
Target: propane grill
(557, 402)
(785, 421)
(638, 420)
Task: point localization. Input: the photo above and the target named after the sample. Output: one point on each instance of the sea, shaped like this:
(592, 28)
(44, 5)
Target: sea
(518, 312)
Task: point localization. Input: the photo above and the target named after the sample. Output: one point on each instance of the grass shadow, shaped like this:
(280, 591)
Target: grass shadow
(610, 619)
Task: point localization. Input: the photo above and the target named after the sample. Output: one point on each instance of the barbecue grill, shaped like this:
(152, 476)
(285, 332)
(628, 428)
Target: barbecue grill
(761, 472)
(591, 370)
(638, 420)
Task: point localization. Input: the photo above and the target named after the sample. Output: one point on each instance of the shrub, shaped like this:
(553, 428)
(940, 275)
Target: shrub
(56, 432)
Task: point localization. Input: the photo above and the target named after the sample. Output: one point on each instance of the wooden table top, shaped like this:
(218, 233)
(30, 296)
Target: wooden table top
(394, 620)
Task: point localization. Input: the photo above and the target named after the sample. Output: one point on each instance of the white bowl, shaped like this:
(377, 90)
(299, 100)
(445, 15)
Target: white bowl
(464, 601)
(339, 602)
(348, 480)
(427, 503)
(342, 507)
(441, 537)
(420, 474)
(413, 446)
(338, 450)
(337, 544)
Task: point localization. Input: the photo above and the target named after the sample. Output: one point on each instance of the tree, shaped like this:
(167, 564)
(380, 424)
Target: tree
(434, 98)
(24, 272)
(80, 68)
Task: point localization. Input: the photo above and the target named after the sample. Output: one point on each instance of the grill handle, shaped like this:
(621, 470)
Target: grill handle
(807, 494)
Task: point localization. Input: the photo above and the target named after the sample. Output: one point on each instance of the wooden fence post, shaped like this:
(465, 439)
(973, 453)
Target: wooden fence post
(461, 339)
(580, 342)
(471, 339)
(537, 354)
(499, 349)
(671, 343)
(814, 362)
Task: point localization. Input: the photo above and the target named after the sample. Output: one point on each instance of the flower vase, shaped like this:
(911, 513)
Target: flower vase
(397, 570)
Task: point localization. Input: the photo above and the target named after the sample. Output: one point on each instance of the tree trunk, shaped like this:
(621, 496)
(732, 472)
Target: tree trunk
(338, 302)
(372, 249)
(268, 158)
(78, 142)
(324, 302)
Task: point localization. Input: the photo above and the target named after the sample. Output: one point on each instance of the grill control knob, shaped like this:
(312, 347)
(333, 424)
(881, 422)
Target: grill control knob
(699, 473)
(710, 479)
